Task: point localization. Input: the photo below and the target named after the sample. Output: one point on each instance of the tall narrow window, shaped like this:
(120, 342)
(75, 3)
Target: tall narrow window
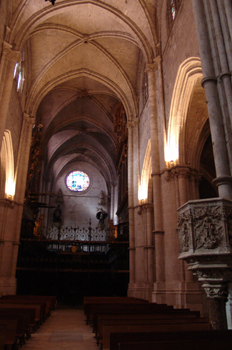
(19, 73)
(172, 9)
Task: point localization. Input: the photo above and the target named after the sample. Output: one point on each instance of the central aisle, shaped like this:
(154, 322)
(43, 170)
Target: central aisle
(64, 329)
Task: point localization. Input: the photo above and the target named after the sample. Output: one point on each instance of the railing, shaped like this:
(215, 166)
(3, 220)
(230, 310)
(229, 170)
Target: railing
(76, 234)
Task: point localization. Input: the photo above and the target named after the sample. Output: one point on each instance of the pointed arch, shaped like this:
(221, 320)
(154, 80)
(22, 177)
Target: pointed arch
(188, 74)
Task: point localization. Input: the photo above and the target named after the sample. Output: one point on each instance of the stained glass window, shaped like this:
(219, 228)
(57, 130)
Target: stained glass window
(19, 73)
(77, 181)
(173, 9)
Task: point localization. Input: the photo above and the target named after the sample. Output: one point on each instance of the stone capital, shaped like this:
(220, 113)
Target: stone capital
(215, 290)
(14, 56)
(28, 119)
(133, 123)
(6, 48)
(145, 207)
(180, 172)
(149, 207)
(151, 67)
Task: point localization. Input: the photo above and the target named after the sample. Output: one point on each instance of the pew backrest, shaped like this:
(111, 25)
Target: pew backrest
(146, 337)
(161, 327)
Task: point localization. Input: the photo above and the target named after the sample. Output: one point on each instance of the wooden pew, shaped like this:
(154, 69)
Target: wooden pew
(22, 316)
(50, 301)
(179, 345)
(110, 300)
(2, 335)
(175, 313)
(153, 319)
(27, 309)
(39, 308)
(88, 307)
(20, 334)
(130, 308)
(172, 326)
(172, 340)
(11, 338)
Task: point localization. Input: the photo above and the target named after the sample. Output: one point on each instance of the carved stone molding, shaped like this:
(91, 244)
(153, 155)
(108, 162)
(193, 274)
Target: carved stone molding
(181, 172)
(215, 290)
(205, 243)
(147, 207)
(205, 227)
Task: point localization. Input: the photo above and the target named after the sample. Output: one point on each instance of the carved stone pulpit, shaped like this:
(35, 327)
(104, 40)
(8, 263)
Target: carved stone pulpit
(205, 243)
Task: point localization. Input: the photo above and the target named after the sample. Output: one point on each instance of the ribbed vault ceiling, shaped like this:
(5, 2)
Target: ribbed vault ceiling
(84, 60)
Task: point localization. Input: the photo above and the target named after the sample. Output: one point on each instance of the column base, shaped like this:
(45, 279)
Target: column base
(181, 295)
(141, 291)
(8, 286)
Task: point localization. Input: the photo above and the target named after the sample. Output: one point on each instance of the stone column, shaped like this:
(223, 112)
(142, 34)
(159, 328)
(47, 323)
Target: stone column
(138, 216)
(8, 61)
(149, 244)
(183, 174)
(23, 157)
(229, 306)
(6, 49)
(209, 82)
(226, 23)
(11, 229)
(131, 204)
(158, 214)
(217, 296)
(216, 21)
(228, 10)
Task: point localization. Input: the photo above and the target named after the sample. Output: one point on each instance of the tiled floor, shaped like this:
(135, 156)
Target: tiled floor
(64, 329)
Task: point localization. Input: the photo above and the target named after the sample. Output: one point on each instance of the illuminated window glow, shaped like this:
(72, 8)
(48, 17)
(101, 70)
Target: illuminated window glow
(146, 174)
(7, 164)
(77, 181)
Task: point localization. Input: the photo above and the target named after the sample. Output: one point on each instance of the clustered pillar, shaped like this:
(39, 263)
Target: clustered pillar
(158, 215)
(10, 229)
(217, 86)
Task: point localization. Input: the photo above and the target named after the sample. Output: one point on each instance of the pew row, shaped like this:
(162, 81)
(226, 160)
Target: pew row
(21, 316)
(191, 340)
(145, 320)
(130, 308)
(97, 303)
(197, 324)
(2, 335)
(127, 317)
